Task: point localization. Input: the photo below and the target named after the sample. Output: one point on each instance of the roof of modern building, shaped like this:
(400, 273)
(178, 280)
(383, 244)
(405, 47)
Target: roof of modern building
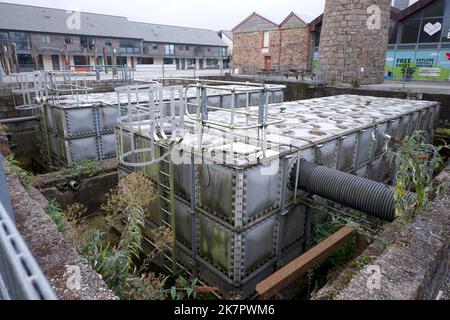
(39, 19)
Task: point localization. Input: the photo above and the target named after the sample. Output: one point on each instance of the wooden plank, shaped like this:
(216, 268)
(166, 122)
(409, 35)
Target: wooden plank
(292, 271)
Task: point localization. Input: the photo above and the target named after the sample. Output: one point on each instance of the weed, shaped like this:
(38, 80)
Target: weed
(54, 211)
(85, 168)
(363, 261)
(417, 161)
(25, 177)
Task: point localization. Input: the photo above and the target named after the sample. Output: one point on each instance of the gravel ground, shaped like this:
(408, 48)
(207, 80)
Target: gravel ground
(50, 249)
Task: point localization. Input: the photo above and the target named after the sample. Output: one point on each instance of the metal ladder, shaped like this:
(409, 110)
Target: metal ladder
(166, 190)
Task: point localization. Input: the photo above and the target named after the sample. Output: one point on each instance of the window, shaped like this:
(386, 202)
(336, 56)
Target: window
(121, 61)
(410, 31)
(266, 39)
(108, 42)
(3, 37)
(68, 39)
(212, 63)
(187, 48)
(446, 30)
(129, 46)
(170, 49)
(155, 46)
(209, 49)
(145, 60)
(81, 60)
(181, 48)
(21, 39)
(393, 32)
(168, 61)
(223, 52)
(45, 38)
(430, 32)
(190, 63)
(26, 62)
(87, 42)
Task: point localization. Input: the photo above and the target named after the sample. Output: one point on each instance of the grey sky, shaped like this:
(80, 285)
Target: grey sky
(209, 14)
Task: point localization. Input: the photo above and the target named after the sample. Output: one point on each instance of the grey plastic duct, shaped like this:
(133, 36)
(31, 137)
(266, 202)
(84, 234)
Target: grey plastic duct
(371, 197)
(74, 185)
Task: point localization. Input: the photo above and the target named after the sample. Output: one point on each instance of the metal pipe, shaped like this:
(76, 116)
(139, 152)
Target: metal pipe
(17, 120)
(368, 196)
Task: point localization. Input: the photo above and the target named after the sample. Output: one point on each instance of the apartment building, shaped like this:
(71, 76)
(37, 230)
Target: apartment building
(50, 39)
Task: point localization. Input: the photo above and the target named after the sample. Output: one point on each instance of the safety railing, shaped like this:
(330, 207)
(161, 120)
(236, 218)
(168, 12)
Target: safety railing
(173, 110)
(20, 276)
(118, 72)
(151, 110)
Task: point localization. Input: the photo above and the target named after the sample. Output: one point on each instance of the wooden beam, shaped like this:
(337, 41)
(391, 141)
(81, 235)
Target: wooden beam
(294, 270)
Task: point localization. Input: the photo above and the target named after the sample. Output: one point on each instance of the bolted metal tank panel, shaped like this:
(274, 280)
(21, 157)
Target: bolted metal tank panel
(78, 122)
(216, 189)
(183, 220)
(108, 118)
(84, 148)
(216, 245)
(293, 226)
(258, 245)
(262, 192)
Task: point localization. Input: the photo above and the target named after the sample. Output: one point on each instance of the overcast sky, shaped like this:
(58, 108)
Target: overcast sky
(208, 14)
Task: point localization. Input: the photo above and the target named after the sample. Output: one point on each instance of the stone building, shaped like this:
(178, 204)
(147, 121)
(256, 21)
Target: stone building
(353, 41)
(261, 44)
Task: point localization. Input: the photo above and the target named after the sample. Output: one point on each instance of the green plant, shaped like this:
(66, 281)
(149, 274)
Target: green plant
(417, 162)
(3, 127)
(25, 177)
(85, 168)
(117, 266)
(54, 211)
(363, 261)
(184, 290)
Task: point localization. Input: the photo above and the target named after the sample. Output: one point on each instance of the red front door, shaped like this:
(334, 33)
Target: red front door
(268, 63)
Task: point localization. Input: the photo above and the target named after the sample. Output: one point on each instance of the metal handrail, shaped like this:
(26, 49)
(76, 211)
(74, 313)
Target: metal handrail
(20, 276)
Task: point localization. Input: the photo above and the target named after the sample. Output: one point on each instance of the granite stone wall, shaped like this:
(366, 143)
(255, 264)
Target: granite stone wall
(354, 41)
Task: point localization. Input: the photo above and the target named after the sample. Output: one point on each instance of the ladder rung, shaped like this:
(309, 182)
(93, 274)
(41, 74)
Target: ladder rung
(167, 212)
(164, 186)
(165, 161)
(164, 198)
(165, 174)
(166, 223)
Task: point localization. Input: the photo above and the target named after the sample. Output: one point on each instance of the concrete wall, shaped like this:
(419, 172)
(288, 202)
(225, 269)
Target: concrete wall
(93, 190)
(350, 41)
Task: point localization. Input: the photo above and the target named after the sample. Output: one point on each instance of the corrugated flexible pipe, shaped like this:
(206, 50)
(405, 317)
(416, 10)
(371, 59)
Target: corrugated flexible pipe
(368, 196)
